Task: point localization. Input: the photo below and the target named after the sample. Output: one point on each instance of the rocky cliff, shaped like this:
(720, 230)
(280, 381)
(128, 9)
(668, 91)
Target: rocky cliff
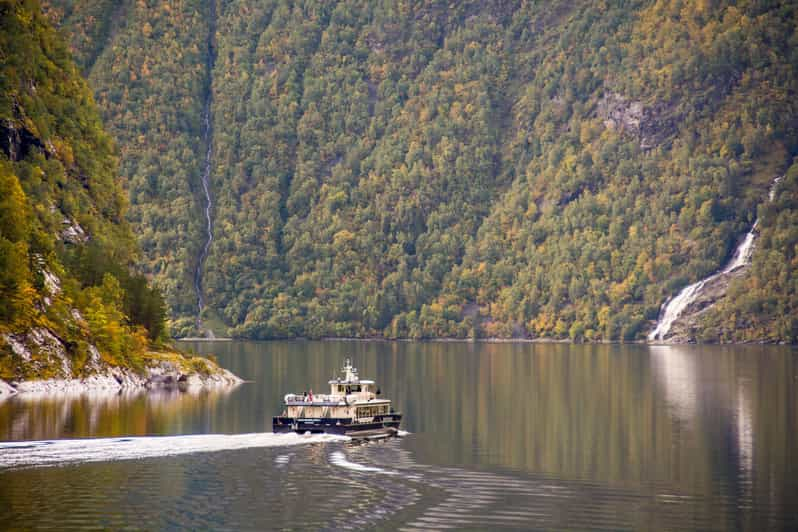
(74, 312)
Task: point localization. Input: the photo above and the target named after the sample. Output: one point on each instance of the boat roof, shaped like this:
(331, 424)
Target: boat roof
(359, 402)
(350, 375)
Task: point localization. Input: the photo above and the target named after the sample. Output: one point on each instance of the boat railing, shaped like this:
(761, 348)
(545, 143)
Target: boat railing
(315, 398)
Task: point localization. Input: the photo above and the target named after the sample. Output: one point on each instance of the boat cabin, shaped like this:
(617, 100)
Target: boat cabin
(352, 408)
(349, 397)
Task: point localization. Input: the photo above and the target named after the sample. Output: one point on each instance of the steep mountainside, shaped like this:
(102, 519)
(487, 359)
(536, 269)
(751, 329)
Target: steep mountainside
(424, 168)
(69, 306)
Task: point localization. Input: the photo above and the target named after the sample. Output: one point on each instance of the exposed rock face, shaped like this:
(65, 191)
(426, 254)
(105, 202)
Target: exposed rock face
(108, 380)
(41, 350)
(6, 390)
(47, 344)
(651, 124)
(123, 379)
(684, 329)
(72, 232)
(17, 142)
(170, 375)
(17, 347)
(51, 282)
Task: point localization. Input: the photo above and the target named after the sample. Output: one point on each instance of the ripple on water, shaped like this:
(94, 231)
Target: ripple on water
(331, 485)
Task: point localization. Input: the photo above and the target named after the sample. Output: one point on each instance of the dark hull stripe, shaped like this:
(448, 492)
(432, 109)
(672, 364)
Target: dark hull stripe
(389, 423)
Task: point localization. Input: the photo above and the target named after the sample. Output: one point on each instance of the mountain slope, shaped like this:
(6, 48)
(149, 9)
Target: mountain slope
(147, 66)
(69, 306)
(651, 166)
(418, 169)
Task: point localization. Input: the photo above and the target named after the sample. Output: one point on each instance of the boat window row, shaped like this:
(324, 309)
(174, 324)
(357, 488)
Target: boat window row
(371, 411)
(349, 388)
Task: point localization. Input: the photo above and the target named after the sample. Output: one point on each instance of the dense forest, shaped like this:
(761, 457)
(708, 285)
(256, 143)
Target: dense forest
(69, 302)
(468, 169)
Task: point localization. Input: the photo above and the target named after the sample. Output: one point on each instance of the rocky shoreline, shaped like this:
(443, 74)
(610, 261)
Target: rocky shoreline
(39, 362)
(160, 376)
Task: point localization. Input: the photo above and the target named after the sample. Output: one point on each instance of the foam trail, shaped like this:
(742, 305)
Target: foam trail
(57, 452)
(338, 458)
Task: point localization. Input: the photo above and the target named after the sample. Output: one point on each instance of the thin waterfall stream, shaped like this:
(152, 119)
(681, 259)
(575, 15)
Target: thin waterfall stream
(673, 309)
(206, 173)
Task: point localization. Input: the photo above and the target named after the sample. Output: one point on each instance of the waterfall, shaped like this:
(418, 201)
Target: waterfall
(742, 255)
(206, 174)
(673, 309)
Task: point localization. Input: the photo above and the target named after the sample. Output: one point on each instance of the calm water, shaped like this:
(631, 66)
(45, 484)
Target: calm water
(502, 435)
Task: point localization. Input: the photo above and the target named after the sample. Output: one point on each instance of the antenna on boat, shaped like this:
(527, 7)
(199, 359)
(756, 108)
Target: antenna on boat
(350, 373)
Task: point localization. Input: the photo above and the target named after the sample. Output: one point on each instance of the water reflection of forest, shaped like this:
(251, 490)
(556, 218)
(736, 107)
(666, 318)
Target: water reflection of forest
(99, 413)
(685, 416)
(695, 419)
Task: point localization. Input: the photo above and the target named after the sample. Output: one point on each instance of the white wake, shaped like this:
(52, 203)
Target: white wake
(339, 459)
(57, 452)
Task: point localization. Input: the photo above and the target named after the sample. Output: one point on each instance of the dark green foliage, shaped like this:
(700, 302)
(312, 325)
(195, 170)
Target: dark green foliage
(142, 305)
(93, 22)
(149, 73)
(419, 169)
(763, 305)
(65, 246)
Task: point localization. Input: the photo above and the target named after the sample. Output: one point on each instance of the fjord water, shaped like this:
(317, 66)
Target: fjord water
(501, 435)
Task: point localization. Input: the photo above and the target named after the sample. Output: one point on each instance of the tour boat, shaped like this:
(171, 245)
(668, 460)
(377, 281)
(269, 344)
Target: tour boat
(352, 408)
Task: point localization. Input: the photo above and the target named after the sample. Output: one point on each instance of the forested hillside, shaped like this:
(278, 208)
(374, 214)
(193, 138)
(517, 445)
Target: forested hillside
(422, 169)
(69, 305)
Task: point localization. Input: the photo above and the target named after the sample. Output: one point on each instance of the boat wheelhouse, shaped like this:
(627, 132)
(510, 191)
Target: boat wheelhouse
(352, 408)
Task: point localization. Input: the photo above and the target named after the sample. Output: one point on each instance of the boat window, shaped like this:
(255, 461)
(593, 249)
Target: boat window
(371, 411)
(353, 389)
